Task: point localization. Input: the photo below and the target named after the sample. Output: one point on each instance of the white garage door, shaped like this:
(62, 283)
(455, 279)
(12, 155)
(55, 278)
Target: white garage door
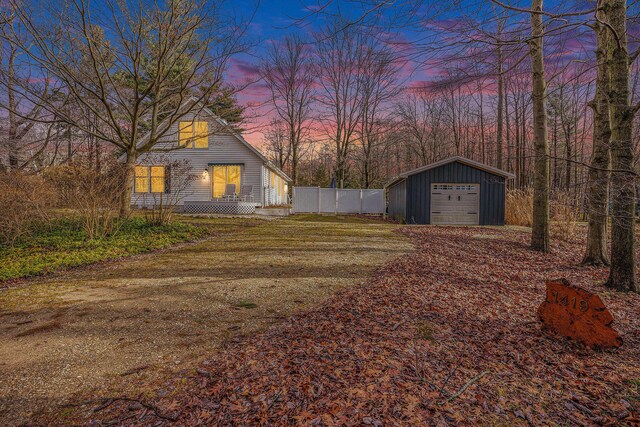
(455, 204)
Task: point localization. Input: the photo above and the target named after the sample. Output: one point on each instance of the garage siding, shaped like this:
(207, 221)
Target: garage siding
(492, 192)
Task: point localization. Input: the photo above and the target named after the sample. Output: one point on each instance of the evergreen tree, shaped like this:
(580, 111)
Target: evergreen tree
(225, 105)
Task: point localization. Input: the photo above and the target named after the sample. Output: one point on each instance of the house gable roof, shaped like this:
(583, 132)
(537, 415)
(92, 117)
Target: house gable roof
(459, 159)
(233, 132)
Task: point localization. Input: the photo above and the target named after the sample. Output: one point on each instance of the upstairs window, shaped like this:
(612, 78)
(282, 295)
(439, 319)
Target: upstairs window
(194, 134)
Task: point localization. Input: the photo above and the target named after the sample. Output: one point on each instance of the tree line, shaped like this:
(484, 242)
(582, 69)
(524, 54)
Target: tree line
(352, 101)
(507, 93)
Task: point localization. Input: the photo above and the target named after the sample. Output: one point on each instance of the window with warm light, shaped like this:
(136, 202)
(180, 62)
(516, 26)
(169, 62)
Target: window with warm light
(150, 179)
(194, 134)
(142, 179)
(223, 175)
(281, 191)
(157, 179)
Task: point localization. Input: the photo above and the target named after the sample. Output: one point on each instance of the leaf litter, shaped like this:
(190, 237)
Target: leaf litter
(446, 335)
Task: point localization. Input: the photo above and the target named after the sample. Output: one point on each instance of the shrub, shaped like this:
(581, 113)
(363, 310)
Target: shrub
(94, 196)
(519, 207)
(25, 201)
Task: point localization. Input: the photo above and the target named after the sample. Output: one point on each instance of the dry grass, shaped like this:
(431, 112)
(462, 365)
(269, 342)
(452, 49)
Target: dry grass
(564, 216)
(519, 207)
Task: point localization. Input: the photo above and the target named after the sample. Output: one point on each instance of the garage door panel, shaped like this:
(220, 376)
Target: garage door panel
(455, 204)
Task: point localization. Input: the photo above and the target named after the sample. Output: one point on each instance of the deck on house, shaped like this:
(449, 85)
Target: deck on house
(230, 207)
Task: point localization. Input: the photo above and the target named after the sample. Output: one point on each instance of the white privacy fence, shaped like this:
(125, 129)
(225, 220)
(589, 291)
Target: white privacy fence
(334, 200)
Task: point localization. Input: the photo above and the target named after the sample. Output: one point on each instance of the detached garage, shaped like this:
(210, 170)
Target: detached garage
(455, 191)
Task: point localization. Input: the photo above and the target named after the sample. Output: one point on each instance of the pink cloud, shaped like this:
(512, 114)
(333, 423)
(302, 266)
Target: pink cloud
(243, 70)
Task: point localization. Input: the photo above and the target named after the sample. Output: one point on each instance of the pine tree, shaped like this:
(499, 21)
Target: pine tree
(225, 105)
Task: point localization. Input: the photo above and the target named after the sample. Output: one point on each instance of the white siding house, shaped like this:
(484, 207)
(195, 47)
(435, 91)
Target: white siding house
(217, 157)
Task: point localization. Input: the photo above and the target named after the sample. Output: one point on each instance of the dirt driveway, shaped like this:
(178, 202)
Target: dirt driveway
(108, 330)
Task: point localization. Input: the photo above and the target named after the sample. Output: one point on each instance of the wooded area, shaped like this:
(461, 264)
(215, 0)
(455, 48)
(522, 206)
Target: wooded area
(564, 127)
(547, 95)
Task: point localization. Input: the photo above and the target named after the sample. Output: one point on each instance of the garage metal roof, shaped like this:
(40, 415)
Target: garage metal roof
(459, 159)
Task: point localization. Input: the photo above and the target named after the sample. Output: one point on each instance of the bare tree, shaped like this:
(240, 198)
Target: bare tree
(379, 86)
(421, 124)
(278, 143)
(622, 275)
(340, 51)
(500, 78)
(23, 140)
(288, 72)
(598, 183)
(133, 65)
(540, 226)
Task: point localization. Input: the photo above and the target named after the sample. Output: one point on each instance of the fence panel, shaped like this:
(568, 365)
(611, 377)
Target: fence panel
(327, 200)
(348, 201)
(305, 199)
(333, 200)
(373, 201)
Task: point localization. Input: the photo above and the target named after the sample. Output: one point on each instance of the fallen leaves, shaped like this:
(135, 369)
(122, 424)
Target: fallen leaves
(445, 336)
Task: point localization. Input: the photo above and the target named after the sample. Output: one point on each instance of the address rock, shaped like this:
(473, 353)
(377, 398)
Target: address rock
(579, 314)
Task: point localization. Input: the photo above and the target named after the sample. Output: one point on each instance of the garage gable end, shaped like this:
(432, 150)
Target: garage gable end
(491, 200)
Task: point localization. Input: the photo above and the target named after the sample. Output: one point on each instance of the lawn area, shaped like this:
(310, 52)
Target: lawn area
(446, 335)
(63, 244)
(120, 328)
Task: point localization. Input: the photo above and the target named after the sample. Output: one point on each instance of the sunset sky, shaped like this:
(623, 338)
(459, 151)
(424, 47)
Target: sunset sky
(273, 19)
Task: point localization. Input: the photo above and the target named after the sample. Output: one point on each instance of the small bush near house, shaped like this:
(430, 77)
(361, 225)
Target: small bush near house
(65, 244)
(25, 201)
(177, 179)
(93, 196)
(519, 207)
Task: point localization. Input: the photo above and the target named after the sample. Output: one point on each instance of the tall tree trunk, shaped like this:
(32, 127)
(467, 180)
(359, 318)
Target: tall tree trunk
(294, 144)
(622, 275)
(454, 123)
(523, 144)
(500, 101)
(540, 228)
(98, 159)
(14, 149)
(554, 138)
(507, 131)
(127, 190)
(598, 175)
(517, 136)
(567, 176)
(482, 138)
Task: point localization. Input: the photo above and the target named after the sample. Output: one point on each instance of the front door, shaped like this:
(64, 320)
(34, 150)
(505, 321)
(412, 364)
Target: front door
(455, 204)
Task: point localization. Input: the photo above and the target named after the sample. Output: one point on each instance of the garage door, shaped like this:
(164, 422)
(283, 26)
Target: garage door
(455, 204)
